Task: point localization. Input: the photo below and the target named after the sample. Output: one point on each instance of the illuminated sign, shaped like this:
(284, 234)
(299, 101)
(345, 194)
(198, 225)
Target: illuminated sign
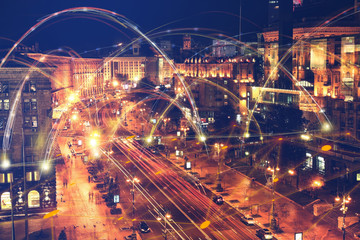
(34, 199)
(358, 177)
(116, 198)
(187, 165)
(5, 201)
(298, 236)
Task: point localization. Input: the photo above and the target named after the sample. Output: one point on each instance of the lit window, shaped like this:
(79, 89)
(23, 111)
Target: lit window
(33, 104)
(321, 165)
(36, 176)
(10, 177)
(2, 178)
(34, 122)
(32, 88)
(28, 176)
(309, 161)
(6, 104)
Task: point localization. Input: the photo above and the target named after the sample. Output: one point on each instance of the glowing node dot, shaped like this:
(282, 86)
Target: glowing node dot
(205, 224)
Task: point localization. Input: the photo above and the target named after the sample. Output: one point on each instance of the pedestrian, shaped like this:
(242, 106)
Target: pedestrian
(89, 196)
(61, 198)
(92, 195)
(89, 178)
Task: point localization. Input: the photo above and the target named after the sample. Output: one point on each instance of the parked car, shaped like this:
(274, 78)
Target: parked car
(248, 220)
(264, 233)
(115, 211)
(144, 228)
(69, 144)
(218, 200)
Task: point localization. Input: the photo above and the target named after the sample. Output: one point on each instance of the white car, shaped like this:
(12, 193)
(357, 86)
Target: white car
(248, 220)
(264, 233)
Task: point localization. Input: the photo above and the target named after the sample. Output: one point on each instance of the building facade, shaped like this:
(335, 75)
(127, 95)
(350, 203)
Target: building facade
(25, 181)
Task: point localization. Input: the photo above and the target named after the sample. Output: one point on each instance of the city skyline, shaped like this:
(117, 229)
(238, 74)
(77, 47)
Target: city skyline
(157, 121)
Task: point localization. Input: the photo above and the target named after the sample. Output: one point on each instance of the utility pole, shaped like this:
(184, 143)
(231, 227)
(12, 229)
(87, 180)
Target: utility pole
(25, 193)
(134, 179)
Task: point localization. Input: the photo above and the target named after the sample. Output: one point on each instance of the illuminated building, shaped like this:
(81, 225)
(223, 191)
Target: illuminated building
(124, 68)
(210, 79)
(325, 63)
(82, 76)
(187, 42)
(223, 48)
(32, 125)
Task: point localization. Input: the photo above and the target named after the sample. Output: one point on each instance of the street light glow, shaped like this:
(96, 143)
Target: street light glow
(5, 164)
(45, 166)
(202, 138)
(326, 127)
(93, 142)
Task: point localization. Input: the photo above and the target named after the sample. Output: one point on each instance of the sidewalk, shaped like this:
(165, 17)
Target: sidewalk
(83, 213)
(253, 198)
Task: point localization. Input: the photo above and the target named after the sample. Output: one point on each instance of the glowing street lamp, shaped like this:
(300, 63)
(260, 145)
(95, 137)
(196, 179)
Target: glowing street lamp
(274, 179)
(115, 83)
(345, 199)
(93, 142)
(202, 138)
(167, 217)
(5, 165)
(45, 166)
(218, 147)
(133, 181)
(74, 117)
(326, 127)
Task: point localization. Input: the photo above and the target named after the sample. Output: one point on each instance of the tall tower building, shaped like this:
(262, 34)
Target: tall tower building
(285, 42)
(273, 12)
(187, 42)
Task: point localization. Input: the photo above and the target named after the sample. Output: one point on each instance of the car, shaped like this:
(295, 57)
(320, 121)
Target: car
(264, 233)
(69, 144)
(128, 237)
(218, 200)
(114, 211)
(73, 152)
(144, 228)
(248, 220)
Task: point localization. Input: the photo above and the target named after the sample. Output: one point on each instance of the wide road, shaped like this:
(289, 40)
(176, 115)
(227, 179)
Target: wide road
(188, 205)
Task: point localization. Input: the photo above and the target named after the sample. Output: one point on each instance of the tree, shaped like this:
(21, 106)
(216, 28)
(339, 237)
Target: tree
(62, 235)
(224, 117)
(283, 119)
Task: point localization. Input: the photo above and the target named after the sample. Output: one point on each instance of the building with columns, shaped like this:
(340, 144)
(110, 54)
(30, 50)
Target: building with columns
(25, 183)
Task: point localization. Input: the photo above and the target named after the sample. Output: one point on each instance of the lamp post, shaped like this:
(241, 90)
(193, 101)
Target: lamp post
(345, 199)
(133, 181)
(167, 217)
(5, 165)
(218, 186)
(185, 129)
(274, 179)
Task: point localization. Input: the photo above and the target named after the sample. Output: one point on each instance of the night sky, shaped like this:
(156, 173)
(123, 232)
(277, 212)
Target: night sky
(83, 33)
